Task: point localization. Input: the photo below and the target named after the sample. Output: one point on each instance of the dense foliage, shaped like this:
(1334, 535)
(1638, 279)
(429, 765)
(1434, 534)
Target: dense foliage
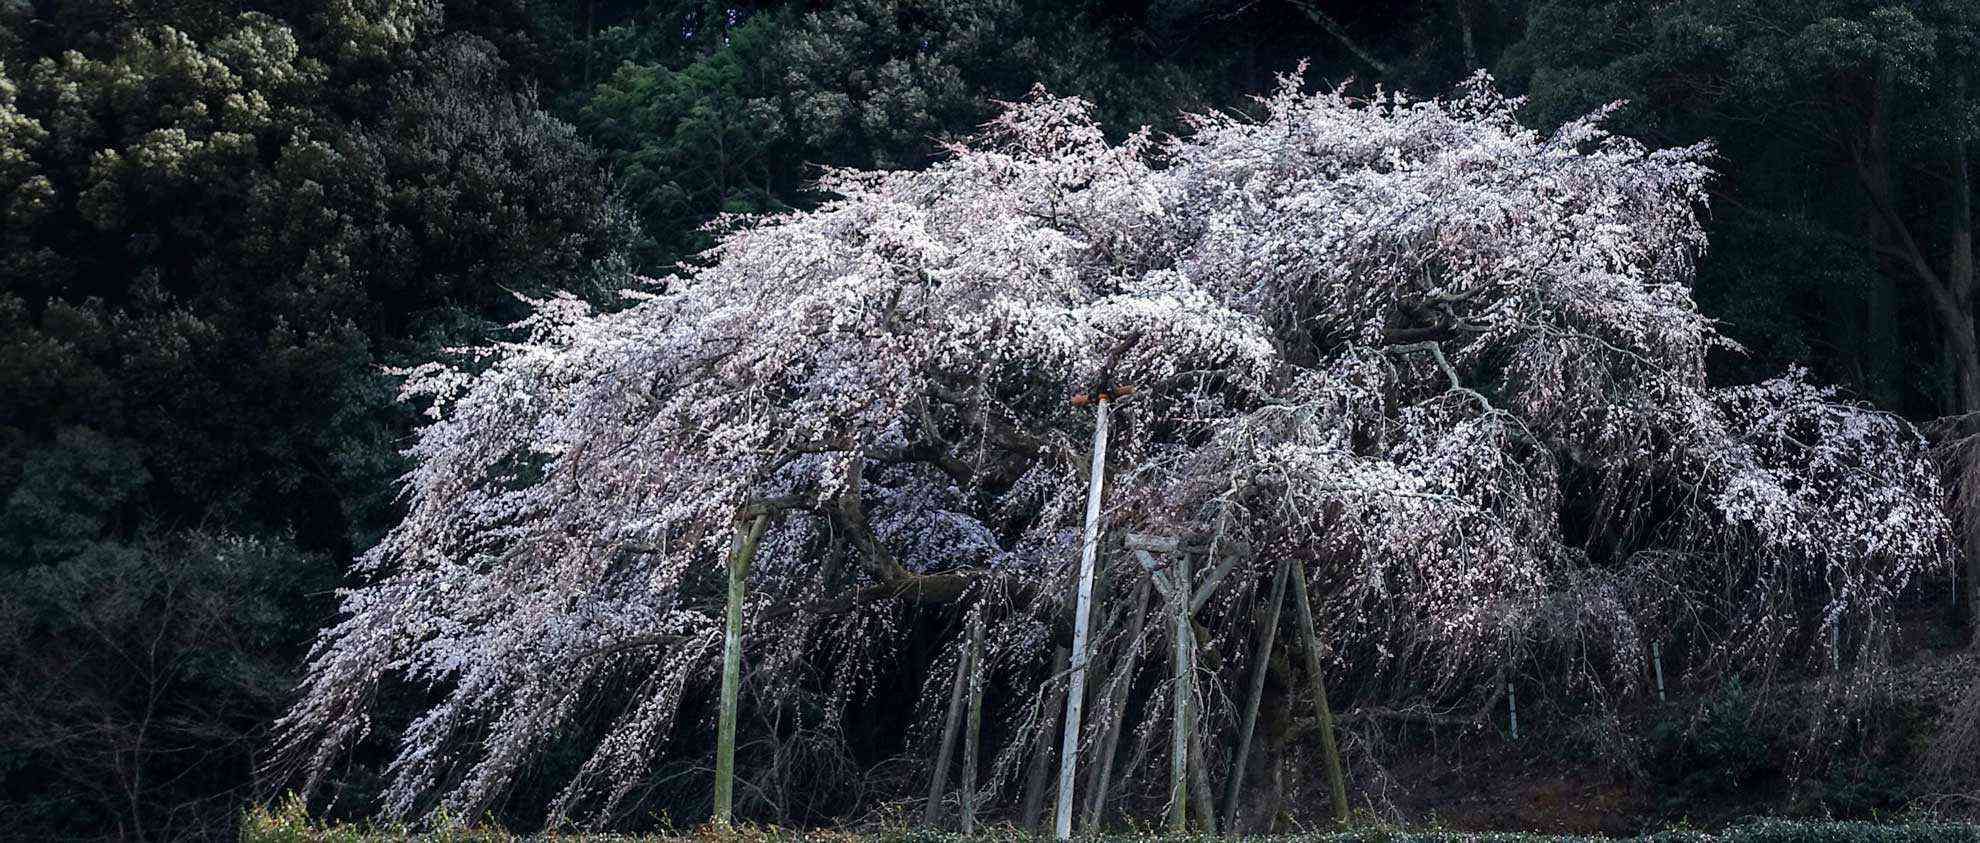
(218, 225)
(223, 221)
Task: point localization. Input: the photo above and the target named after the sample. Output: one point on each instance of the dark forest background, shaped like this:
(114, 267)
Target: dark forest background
(223, 221)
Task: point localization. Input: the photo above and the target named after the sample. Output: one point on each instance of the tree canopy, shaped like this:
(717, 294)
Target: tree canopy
(1390, 340)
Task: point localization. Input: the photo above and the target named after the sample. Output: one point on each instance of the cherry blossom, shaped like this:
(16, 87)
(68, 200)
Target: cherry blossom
(1449, 365)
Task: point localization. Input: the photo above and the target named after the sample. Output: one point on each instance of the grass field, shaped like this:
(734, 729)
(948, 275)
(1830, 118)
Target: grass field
(290, 823)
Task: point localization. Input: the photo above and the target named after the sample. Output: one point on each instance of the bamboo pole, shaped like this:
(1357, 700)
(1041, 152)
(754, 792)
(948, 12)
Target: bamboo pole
(1329, 751)
(1268, 635)
(1076, 689)
(974, 724)
(932, 814)
(742, 550)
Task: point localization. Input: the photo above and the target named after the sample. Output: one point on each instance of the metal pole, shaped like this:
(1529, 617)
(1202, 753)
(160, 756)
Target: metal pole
(1076, 691)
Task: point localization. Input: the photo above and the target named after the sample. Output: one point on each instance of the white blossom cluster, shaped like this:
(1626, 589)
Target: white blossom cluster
(1448, 365)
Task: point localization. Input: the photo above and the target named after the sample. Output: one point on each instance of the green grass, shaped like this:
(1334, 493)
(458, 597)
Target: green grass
(290, 823)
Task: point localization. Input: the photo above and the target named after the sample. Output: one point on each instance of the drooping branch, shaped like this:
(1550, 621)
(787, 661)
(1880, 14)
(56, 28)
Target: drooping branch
(1479, 719)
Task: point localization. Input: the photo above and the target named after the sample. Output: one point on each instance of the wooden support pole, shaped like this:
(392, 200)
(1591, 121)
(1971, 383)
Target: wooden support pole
(1657, 664)
(1330, 752)
(742, 550)
(1206, 810)
(1199, 762)
(1180, 726)
(974, 725)
(1268, 635)
(1099, 663)
(1076, 689)
(1099, 692)
(932, 814)
(1118, 685)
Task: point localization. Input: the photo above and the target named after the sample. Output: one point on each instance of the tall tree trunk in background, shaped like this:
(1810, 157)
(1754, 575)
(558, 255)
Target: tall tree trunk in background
(1463, 10)
(1951, 295)
(1955, 305)
(1883, 334)
(587, 22)
(1340, 34)
(1959, 280)
(1966, 365)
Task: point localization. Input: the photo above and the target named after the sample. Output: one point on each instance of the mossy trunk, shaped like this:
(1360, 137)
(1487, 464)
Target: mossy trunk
(1261, 801)
(1316, 677)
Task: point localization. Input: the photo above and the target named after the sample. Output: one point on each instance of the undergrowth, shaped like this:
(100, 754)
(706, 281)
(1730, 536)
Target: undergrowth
(289, 822)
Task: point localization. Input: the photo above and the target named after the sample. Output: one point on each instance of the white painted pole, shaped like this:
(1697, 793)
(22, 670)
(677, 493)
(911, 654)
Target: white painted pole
(1076, 692)
(1512, 709)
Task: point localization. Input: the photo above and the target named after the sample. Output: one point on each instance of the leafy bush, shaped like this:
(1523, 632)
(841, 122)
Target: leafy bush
(1718, 749)
(137, 679)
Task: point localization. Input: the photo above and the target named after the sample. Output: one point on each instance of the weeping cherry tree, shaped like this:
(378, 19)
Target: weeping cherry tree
(1446, 368)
